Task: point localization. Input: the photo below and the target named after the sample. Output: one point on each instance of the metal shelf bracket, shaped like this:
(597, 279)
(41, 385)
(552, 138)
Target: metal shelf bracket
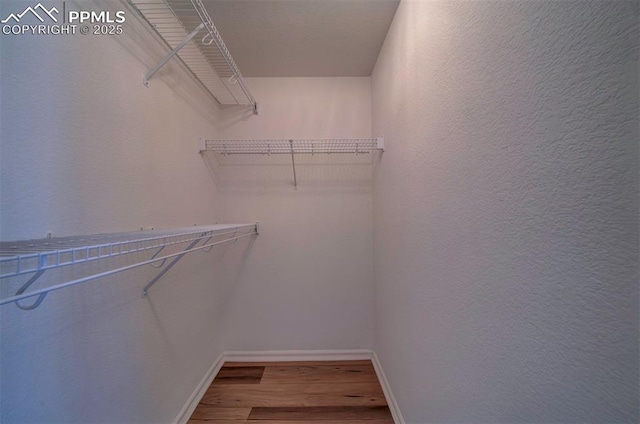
(25, 286)
(175, 260)
(171, 54)
(293, 162)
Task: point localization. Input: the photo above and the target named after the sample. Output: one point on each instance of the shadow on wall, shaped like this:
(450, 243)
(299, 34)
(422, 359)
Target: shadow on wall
(233, 115)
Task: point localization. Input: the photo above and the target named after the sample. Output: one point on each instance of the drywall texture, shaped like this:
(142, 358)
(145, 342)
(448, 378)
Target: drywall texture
(506, 211)
(308, 279)
(86, 148)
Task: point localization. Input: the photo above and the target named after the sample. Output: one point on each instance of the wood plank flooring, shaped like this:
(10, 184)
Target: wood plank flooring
(336, 392)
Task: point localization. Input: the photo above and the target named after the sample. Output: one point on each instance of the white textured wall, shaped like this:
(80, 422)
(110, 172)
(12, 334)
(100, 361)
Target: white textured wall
(506, 211)
(86, 148)
(308, 279)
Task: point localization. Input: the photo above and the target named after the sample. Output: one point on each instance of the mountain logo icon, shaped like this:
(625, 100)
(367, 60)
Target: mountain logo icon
(34, 11)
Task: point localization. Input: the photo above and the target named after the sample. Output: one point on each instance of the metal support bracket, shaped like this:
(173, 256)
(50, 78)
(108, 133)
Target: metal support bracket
(146, 288)
(208, 249)
(293, 162)
(25, 286)
(172, 53)
(162, 261)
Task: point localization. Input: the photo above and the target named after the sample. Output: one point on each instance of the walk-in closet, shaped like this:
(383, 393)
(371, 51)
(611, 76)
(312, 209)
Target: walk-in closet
(319, 211)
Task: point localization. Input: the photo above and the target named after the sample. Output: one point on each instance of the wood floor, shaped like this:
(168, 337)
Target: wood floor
(294, 393)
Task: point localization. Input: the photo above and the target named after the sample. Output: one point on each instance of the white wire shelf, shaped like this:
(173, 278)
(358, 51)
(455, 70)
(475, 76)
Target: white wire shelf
(306, 146)
(294, 147)
(187, 28)
(39, 255)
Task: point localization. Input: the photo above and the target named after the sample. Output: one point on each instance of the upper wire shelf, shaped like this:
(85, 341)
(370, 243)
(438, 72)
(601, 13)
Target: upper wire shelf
(187, 28)
(39, 255)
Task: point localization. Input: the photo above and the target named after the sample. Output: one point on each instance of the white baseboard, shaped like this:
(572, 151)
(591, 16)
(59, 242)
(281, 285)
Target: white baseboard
(284, 356)
(297, 355)
(186, 411)
(388, 394)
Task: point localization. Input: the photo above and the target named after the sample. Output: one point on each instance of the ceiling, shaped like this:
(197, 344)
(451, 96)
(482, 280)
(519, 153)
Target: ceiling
(303, 38)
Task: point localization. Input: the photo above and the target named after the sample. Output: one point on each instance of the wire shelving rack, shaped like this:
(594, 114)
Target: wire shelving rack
(188, 30)
(18, 258)
(294, 147)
